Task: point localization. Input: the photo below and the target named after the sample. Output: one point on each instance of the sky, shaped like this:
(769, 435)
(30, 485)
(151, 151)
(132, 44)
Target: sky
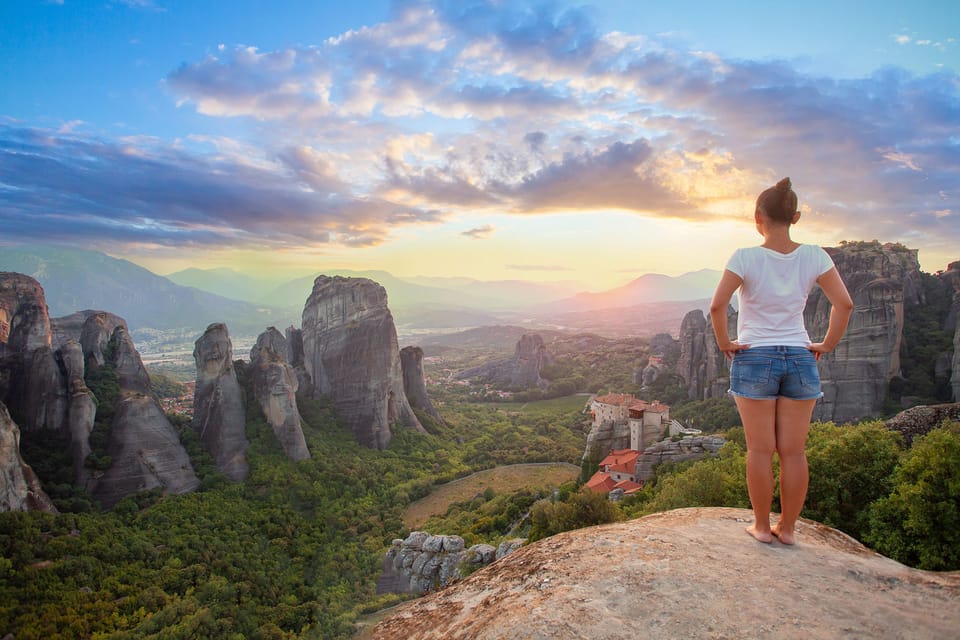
(498, 140)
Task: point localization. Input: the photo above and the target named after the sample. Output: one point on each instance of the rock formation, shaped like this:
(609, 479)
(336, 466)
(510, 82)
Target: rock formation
(19, 487)
(522, 371)
(218, 414)
(275, 386)
(423, 562)
(950, 279)
(688, 448)
(689, 573)
(921, 420)
(351, 355)
(883, 282)
(701, 364)
(414, 382)
(146, 452)
(81, 409)
(605, 437)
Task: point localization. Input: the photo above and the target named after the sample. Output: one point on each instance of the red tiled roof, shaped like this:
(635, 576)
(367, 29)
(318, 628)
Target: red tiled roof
(628, 486)
(600, 482)
(620, 457)
(615, 398)
(628, 400)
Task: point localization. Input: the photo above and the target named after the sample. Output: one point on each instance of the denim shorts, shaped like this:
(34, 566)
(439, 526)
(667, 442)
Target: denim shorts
(767, 373)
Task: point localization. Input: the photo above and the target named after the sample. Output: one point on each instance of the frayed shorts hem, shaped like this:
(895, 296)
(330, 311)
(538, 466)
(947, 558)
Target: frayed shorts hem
(749, 397)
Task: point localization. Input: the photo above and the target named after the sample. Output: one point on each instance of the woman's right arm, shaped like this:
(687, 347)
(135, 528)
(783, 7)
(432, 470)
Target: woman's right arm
(840, 311)
(729, 282)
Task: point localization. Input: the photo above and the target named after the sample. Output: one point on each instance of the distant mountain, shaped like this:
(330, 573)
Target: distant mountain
(502, 294)
(75, 279)
(225, 282)
(649, 288)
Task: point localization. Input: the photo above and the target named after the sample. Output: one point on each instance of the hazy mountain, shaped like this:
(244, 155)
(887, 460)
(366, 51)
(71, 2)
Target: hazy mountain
(503, 294)
(225, 282)
(652, 287)
(75, 279)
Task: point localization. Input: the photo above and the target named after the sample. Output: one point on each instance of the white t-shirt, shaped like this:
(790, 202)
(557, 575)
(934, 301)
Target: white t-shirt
(774, 292)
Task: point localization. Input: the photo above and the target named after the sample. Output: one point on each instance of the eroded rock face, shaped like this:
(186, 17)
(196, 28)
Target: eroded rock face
(688, 448)
(414, 382)
(921, 420)
(146, 453)
(19, 487)
(424, 562)
(351, 355)
(81, 408)
(882, 280)
(275, 385)
(95, 335)
(218, 415)
(951, 281)
(522, 371)
(701, 364)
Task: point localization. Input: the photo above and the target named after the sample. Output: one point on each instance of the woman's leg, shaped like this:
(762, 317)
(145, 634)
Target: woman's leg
(759, 426)
(793, 424)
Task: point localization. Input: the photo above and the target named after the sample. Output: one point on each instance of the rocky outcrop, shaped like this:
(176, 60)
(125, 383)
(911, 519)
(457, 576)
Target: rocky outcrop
(921, 420)
(218, 414)
(950, 279)
(688, 448)
(19, 487)
(681, 574)
(606, 437)
(701, 364)
(522, 371)
(146, 452)
(81, 408)
(424, 562)
(414, 382)
(883, 281)
(351, 355)
(275, 386)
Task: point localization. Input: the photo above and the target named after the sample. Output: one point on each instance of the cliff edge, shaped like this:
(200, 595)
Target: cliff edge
(689, 573)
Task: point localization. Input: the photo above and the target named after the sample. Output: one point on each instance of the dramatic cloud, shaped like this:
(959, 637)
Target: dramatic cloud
(454, 107)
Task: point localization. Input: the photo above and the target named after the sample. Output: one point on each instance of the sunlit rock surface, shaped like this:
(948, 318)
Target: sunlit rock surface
(275, 386)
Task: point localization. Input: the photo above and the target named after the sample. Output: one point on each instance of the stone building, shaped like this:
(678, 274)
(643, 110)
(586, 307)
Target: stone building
(644, 420)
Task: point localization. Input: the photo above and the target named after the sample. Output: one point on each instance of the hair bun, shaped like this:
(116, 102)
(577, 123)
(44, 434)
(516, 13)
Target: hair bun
(783, 185)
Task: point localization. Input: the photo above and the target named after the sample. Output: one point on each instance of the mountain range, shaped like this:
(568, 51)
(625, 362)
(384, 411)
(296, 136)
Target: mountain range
(76, 279)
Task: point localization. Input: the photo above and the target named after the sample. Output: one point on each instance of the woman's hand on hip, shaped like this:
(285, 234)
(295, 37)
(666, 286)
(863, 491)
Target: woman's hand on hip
(731, 347)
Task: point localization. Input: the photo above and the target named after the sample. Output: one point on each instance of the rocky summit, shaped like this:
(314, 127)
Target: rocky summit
(218, 415)
(522, 371)
(275, 386)
(351, 355)
(689, 573)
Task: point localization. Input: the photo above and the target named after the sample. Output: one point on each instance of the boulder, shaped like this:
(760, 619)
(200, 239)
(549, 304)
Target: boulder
(351, 356)
(414, 382)
(687, 448)
(275, 386)
(218, 414)
(19, 487)
(921, 420)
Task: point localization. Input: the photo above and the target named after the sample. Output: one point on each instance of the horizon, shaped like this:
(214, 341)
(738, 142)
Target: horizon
(538, 142)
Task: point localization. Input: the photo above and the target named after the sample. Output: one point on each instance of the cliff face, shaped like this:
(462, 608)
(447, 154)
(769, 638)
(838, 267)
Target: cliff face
(522, 371)
(701, 364)
(414, 382)
(218, 415)
(689, 448)
(19, 487)
(351, 355)
(950, 279)
(689, 573)
(275, 386)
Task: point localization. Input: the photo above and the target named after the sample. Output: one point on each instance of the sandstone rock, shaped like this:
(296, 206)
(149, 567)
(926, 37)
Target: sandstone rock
(424, 562)
(81, 409)
(701, 364)
(951, 281)
(688, 448)
(146, 453)
(605, 437)
(218, 414)
(295, 358)
(883, 281)
(275, 386)
(918, 421)
(132, 375)
(689, 573)
(507, 547)
(351, 355)
(19, 487)
(414, 382)
(97, 330)
(522, 371)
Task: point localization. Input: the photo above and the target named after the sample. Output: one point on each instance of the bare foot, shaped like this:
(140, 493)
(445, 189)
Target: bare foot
(786, 537)
(762, 536)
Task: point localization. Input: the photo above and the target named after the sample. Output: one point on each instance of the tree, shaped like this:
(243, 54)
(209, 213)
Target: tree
(918, 523)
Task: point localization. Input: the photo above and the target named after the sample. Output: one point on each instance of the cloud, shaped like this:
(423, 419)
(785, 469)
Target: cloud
(479, 233)
(54, 186)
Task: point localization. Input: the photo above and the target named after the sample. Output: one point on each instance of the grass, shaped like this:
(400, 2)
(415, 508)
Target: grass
(564, 403)
(501, 479)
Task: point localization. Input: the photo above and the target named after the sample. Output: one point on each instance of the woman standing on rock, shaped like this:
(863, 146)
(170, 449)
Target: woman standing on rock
(773, 375)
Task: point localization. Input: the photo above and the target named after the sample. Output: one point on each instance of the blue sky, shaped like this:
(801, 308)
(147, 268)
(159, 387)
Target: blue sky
(551, 140)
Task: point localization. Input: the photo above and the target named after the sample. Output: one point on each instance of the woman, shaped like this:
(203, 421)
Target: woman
(773, 375)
